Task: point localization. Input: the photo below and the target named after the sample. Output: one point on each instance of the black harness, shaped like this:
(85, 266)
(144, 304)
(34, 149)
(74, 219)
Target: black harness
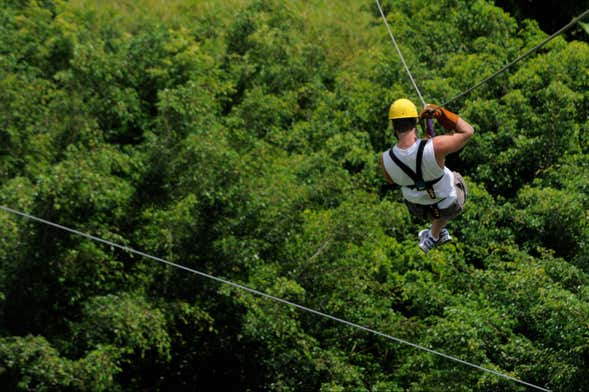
(419, 183)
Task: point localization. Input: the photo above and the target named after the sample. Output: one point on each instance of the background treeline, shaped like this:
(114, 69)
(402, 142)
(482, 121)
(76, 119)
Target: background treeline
(241, 138)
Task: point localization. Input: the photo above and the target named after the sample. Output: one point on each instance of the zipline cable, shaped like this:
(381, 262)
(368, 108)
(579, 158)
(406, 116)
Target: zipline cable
(521, 57)
(262, 294)
(498, 72)
(400, 54)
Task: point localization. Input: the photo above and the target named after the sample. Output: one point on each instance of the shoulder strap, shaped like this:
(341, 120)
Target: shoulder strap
(419, 159)
(403, 167)
(415, 176)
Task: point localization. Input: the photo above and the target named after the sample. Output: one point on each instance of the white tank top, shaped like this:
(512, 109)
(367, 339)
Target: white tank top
(444, 189)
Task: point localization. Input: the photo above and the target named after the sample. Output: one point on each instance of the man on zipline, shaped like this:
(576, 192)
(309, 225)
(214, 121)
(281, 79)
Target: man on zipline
(432, 192)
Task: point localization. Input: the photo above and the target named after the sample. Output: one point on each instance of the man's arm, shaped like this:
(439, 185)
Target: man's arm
(447, 144)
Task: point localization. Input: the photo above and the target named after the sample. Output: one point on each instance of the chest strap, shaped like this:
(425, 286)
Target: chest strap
(419, 183)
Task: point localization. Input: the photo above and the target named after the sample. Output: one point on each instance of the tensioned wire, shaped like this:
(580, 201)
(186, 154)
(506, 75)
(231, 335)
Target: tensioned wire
(268, 296)
(494, 75)
(400, 54)
(518, 59)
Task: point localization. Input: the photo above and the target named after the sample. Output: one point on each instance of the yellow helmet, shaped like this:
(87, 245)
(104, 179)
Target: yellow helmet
(402, 108)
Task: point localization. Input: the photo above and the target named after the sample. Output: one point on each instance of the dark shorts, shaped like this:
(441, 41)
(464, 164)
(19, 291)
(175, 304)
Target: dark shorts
(426, 212)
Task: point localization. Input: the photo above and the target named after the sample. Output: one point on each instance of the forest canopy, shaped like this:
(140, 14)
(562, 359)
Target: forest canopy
(241, 139)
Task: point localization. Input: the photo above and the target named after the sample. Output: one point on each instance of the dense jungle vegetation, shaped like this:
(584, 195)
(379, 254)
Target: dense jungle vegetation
(241, 139)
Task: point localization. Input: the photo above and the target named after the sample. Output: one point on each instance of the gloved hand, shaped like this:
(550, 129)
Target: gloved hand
(446, 118)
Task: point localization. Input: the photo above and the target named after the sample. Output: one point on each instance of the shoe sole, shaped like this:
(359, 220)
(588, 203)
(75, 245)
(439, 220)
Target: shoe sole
(439, 243)
(424, 250)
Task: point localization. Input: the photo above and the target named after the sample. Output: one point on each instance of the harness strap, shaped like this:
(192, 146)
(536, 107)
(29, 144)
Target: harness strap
(417, 177)
(419, 160)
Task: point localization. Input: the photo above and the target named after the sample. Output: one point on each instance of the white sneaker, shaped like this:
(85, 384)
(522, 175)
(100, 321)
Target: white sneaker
(426, 241)
(444, 237)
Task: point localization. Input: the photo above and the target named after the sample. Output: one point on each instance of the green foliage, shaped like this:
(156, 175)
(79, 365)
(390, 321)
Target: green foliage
(585, 27)
(31, 363)
(87, 183)
(241, 139)
(538, 123)
(552, 218)
(126, 321)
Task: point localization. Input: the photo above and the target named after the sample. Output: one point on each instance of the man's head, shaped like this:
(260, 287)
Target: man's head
(403, 115)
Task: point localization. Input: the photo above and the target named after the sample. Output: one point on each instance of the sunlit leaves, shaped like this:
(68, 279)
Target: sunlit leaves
(32, 363)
